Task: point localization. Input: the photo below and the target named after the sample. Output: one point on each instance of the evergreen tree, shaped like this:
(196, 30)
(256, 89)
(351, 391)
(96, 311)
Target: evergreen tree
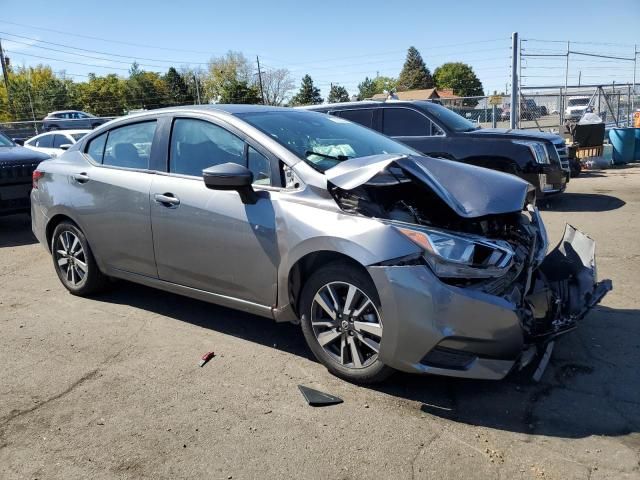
(337, 94)
(308, 93)
(414, 74)
(178, 92)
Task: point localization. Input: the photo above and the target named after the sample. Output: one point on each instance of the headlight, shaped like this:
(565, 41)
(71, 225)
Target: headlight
(537, 150)
(457, 256)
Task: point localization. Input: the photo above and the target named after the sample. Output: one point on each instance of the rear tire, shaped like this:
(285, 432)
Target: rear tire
(74, 262)
(340, 319)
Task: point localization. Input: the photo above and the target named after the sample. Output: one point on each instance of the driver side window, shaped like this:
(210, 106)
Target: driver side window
(197, 144)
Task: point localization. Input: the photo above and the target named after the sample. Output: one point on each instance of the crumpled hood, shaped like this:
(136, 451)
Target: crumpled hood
(21, 154)
(470, 191)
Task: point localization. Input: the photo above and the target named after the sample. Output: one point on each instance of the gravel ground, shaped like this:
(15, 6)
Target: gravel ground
(109, 387)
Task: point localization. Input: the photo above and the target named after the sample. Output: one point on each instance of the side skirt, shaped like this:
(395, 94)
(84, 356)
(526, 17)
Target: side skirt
(223, 300)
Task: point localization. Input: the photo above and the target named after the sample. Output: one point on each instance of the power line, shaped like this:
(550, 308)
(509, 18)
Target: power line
(95, 51)
(67, 61)
(103, 39)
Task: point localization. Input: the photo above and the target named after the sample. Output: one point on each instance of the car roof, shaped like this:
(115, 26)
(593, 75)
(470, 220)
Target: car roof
(64, 111)
(69, 132)
(368, 103)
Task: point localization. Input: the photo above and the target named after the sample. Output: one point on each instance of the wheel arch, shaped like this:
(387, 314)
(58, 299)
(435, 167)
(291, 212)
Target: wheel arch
(304, 267)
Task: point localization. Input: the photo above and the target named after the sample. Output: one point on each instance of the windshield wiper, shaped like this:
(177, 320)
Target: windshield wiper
(324, 155)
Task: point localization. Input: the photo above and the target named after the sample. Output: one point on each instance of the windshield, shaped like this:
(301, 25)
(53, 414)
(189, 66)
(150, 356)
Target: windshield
(78, 136)
(451, 120)
(5, 142)
(322, 140)
(574, 102)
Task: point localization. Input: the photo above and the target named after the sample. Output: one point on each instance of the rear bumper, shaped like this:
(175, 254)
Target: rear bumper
(432, 327)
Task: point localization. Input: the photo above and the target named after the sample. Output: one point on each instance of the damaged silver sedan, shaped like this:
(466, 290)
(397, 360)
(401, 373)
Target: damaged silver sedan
(388, 259)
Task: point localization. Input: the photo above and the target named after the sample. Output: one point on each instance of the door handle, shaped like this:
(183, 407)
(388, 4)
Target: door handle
(81, 177)
(167, 199)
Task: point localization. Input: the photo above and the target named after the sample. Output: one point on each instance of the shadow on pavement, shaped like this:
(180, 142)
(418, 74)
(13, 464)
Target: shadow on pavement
(581, 202)
(589, 388)
(283, 336)
(15, 230)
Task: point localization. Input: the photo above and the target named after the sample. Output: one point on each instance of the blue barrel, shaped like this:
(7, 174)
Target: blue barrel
(624, 144)
(636, 156)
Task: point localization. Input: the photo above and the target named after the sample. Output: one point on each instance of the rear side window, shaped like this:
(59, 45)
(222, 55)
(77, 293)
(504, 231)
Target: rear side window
(363, 117)
(46, 141)
(130, 146)
(402, 122)
(60, 140)
(196, 145)
(95, 150)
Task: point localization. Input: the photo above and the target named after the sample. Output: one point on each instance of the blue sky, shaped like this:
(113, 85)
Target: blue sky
(333, 41)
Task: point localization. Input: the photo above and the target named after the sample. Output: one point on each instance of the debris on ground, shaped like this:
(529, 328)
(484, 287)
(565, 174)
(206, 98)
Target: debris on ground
(316, 398)
(205, 358)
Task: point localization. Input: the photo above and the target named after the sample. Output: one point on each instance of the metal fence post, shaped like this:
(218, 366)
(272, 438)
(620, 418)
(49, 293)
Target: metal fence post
(514, 80)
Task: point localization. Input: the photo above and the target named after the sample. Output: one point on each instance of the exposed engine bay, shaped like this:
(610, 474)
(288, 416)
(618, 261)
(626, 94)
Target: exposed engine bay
(551, 292)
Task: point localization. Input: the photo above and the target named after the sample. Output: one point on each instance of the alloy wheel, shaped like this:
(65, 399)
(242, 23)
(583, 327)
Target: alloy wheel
(346, 324)
(71, 258)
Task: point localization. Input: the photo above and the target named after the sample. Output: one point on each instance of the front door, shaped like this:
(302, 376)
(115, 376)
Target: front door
(208, 239)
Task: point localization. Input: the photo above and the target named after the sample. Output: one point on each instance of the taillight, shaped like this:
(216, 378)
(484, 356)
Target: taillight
(35, 176)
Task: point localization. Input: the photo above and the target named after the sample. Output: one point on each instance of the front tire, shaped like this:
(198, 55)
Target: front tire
(74, 262)
(341, 322)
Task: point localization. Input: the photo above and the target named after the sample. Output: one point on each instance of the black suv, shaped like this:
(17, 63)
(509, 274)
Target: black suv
(16, 168)
(540, 158)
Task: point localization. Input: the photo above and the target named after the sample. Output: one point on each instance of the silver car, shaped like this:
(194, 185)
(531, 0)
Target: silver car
(388, 259)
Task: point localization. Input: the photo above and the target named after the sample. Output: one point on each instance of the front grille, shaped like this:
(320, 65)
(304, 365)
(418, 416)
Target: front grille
(561, 148)
(16, 173)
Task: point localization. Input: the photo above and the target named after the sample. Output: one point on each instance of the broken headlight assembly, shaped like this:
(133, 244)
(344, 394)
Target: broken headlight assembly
(458, 256)
(538, 150)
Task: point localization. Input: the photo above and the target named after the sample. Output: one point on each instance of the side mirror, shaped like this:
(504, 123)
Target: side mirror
(231, 176)
(65, 146)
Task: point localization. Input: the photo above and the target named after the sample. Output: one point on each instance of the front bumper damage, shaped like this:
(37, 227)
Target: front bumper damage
(434, 327)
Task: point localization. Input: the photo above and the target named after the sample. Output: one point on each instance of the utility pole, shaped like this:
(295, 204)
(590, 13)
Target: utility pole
(5, 75)
(579, 77)
(195, 79)
(635, 61)
(260, 80)
(566, 84)
(514, 80)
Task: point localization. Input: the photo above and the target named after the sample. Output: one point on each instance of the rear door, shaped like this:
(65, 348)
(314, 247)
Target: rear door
(208, 239)
(112, 197)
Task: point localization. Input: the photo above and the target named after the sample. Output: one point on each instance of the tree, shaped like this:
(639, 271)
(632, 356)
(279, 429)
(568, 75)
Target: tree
(231, 79)
(102, 95)
(276, 86)
(414, 74)
(370, 86)
(459, 77)
(337, 94)
(308, 93)
(177, 91)
(145, 89)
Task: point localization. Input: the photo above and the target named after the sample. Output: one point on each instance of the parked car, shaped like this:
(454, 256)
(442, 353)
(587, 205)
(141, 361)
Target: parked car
(71, 119)
(576, 107)
(389, 259)
(55, 143)
(539, 158)
(16, 168)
